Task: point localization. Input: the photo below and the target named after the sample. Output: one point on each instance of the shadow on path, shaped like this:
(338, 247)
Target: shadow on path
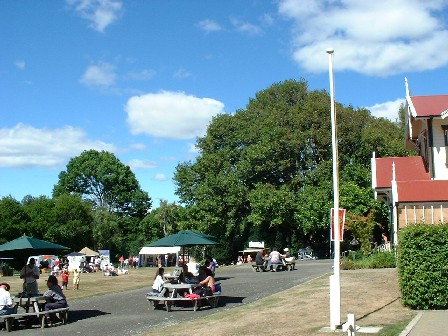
(79, 315)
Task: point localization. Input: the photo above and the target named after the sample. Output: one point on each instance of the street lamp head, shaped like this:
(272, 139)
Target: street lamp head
(330, 50)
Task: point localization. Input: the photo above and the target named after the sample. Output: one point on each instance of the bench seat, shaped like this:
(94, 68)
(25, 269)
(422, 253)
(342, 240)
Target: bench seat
(9, 319)
(157, 299)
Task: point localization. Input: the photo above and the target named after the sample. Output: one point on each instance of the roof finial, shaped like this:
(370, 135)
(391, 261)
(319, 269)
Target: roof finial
(408, 94)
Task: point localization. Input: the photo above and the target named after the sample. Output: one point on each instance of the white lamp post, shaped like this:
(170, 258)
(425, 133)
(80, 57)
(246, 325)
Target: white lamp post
(335, 284)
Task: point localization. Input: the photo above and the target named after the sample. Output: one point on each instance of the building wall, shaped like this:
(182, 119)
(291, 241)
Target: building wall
(429, 213)
(440, 154)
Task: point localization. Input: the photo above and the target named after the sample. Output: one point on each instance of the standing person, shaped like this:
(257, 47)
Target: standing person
(121, 260)
(64, 277)
(76, 278)
(6, 306)
(54, 297)
(30, 273)
(211, 265)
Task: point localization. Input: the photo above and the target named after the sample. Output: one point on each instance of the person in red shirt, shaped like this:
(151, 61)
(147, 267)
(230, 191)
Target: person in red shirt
(64, 277)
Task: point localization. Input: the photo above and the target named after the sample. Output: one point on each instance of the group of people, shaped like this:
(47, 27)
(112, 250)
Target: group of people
(54, 295)
(205, 277)
(271, 260)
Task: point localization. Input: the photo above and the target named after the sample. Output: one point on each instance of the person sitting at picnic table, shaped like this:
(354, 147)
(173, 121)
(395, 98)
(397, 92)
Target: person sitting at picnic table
(30, 273)
(207, 281)
(275, 258)
(6, 306)
(158, 284)
(193, 266)
(260, 260)
(185, 276)
(55, 298)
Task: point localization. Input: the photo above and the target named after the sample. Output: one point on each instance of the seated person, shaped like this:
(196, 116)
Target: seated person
(185, 276)
(207, 281)
(6, 306)
(260, 259)
(193, 266)
(55, 298)
(287, 256)
(275, 259)
(211, 265)
(157, 286)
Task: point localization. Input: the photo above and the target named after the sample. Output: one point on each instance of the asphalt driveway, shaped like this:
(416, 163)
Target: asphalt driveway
(128, 313)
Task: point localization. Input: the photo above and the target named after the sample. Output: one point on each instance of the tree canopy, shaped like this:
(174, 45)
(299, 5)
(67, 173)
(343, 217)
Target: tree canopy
(264, 173)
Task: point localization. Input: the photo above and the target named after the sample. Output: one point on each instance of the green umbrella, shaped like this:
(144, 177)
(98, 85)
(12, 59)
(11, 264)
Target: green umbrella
(184, 238)
(26, 245)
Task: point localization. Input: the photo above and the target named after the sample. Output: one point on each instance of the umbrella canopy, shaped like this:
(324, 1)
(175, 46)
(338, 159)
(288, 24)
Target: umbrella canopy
(30, 244)
(184, 238)
(75, 254)
(89, 252)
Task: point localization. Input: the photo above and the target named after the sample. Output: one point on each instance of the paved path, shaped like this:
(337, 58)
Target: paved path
(128, 313)
(428, 323)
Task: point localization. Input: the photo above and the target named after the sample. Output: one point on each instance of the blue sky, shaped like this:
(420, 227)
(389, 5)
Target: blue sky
(143, 79)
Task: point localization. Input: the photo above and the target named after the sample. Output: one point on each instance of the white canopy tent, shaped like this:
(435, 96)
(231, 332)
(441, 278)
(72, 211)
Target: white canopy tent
(147, 253)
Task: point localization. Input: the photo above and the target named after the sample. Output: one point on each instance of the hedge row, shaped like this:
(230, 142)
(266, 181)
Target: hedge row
(423, 266)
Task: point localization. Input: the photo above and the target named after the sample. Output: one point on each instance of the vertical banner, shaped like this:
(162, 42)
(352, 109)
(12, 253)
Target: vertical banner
(341, 224)
(105, 258)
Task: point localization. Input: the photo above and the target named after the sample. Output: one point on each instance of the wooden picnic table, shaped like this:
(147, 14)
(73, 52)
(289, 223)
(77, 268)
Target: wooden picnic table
(173, 287)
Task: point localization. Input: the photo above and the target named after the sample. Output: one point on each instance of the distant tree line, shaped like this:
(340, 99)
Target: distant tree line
(263, 173)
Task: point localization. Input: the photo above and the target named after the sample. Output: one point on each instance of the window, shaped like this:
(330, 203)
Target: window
(445, 134)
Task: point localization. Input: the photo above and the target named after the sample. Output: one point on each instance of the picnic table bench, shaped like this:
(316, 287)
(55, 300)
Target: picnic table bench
(285, 266)
(9, 319)
(168, 301)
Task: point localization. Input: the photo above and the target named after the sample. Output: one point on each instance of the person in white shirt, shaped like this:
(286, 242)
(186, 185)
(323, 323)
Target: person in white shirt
(6, 307)
(274, 260)
(157, 286)
(30, 273)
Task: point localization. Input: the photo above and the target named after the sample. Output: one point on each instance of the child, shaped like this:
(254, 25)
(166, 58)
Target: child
(64, 277)
(75, 279)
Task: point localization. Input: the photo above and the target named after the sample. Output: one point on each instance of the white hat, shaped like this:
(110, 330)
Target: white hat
(286, 249)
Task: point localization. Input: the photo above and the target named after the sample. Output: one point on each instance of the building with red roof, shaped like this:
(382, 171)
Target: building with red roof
(416, 187)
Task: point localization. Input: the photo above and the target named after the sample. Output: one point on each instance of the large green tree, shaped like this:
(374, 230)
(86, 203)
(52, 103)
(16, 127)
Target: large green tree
(101, 178)
(264, 173)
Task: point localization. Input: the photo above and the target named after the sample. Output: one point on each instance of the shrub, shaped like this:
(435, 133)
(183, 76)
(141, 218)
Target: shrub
(375, 260)
(422, 265)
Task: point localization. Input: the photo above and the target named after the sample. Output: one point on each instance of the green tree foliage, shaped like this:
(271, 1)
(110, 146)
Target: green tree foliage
(265, 173)
(41, 213)
(13, 219)
(74, 218)
(101, 178)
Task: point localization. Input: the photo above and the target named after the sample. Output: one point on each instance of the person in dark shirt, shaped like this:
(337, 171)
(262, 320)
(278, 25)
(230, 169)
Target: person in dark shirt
(55, 298)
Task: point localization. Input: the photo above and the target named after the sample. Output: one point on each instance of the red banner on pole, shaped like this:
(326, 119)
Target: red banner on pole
(341, 224)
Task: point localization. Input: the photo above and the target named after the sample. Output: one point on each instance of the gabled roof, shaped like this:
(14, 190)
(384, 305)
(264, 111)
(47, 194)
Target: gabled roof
(422, 191)
(409, 168)
(429, 106)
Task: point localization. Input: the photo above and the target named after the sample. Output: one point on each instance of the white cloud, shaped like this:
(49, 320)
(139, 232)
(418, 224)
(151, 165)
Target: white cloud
(160, 177)
(388, 110)
(100, 13)
(182, 73)
(138, 146)
(20, 64)
(246, 27)
(141, 75)
(26, 146)
(209, 26)
(142, 164)
(173, 115)
(101, 75)
(378, 38)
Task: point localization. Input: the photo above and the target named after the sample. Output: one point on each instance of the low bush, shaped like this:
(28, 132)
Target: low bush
(422, 265)
(375, 260)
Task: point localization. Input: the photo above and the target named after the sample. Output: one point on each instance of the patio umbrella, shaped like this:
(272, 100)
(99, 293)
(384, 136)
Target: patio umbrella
(25, 245)
(184, 238)
(75, 254)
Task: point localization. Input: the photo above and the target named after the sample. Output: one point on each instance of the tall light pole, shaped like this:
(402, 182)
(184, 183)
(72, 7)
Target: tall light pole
(335, 283)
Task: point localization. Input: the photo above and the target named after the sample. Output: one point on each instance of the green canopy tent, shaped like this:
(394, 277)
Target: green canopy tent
(25, 246)
(184, 238)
